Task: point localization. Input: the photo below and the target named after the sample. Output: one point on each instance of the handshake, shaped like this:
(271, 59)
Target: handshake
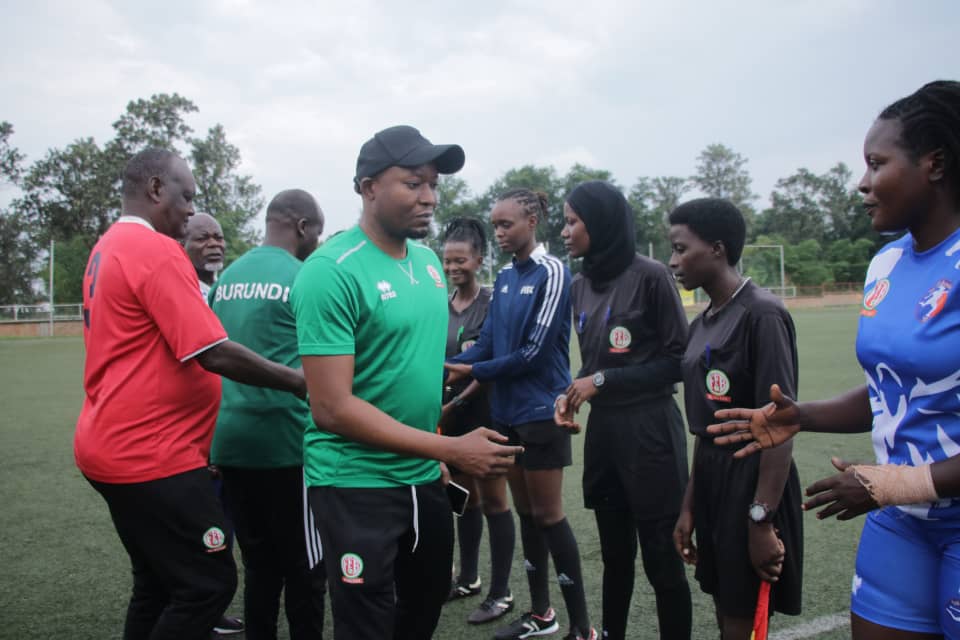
(563, 413)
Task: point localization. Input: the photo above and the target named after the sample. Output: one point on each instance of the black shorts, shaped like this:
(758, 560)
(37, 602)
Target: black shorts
(474, 413)
(723, 491)
(635, 459)
(545, 445)
(388, 553)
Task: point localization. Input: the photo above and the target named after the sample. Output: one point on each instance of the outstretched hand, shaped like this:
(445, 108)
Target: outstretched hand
(457, 372)
(481, 453)
(766, 427)
(563, 414)
(580, 390)
(844, 494)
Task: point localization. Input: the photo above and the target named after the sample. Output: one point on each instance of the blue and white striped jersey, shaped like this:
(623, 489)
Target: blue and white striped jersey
(908, 344)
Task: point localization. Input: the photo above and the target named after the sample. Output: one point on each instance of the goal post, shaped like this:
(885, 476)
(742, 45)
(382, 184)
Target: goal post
(765, 264)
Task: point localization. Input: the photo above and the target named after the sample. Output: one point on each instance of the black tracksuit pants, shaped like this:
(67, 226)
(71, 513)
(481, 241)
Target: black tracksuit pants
(280, 549)
(175, 532)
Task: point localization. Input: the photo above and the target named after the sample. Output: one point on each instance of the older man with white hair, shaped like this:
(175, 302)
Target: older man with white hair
(206, 248)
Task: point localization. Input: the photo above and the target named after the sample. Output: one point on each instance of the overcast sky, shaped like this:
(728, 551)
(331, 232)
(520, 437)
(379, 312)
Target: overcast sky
(639, 88)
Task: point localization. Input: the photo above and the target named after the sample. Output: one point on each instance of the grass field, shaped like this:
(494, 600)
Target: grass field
(63, 572)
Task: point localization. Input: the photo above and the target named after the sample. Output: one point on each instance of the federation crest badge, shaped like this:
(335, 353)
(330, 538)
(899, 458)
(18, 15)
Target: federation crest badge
(466, 345)
(620, 340)
(351, 566)
(214, 539)
(437, 280)
(718, 386)
(874, 297)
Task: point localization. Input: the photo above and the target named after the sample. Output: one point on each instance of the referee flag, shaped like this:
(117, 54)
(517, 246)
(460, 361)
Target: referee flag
(762, 616)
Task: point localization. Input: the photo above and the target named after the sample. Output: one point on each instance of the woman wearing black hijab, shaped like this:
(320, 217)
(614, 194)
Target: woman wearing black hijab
(632, 332)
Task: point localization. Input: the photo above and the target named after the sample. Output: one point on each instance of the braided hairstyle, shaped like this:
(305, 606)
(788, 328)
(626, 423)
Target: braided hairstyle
(930, 118)
(465, 229)
(533, 202)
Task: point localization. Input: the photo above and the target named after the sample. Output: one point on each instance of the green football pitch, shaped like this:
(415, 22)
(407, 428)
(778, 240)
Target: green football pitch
(64, 573)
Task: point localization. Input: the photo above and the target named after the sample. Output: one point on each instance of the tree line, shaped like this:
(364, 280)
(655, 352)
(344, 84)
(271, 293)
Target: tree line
(818, 218)
(71, 195)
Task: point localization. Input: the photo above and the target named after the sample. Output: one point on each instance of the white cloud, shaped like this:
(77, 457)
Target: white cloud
(636, 88)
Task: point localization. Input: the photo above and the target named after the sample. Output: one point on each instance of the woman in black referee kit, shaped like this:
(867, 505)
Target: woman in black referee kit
(746, 512)
(465, 408)
(632, 332)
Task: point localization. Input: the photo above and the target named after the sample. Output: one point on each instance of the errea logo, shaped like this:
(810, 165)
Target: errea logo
(386, 290)
(526, 290)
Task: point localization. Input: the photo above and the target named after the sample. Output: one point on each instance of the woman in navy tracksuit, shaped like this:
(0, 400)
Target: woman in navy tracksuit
(523, 349)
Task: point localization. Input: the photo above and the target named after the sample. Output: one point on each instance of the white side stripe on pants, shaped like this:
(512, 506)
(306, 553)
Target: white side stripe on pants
(416, 519)
(314, 548)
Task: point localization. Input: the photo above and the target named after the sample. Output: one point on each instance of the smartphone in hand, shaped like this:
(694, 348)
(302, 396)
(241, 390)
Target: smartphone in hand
(458, 497)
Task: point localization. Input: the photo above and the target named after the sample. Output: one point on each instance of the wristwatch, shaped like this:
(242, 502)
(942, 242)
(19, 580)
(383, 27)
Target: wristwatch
(599, 379)
(760, 513)
(458, 402)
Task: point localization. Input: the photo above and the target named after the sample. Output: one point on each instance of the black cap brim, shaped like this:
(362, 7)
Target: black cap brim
(447, 158)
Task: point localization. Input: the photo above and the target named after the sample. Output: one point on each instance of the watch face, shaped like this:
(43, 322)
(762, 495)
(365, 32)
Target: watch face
(758, 512)
(598, 379)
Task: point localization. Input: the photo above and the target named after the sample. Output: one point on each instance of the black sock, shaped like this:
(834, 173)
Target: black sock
(502, 540)
(566, 560)
(535, 555)
(618, 549)
(469, 531)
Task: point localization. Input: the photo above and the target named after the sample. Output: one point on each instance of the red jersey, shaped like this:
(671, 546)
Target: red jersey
(149, 408)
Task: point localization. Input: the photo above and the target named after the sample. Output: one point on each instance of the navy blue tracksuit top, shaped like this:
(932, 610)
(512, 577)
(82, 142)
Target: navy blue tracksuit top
(524, 344)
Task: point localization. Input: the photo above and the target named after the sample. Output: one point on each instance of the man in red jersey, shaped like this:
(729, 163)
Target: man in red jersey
(151, 400)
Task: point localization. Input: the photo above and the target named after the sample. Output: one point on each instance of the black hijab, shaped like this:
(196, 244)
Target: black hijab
(609, 221)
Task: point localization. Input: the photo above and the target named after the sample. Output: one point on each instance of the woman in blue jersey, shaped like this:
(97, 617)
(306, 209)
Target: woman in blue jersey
(523, 348)
(908, 344)
(465, 408)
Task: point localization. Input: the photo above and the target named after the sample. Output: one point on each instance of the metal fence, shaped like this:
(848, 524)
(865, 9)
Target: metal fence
(829, 288)
(65, 312)
(825, 290)
(40, 312)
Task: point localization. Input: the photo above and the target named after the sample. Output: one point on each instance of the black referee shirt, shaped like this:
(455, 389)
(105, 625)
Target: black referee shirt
(634, 331)
(464, 328)
(734, 356)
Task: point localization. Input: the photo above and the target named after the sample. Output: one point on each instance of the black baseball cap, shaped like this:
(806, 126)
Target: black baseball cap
(404, 146)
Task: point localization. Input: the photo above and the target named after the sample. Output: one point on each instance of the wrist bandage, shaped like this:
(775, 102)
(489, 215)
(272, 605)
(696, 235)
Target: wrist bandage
(896, 484)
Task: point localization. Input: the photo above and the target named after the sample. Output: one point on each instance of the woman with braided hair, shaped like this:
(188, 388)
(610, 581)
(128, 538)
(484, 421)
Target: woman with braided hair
(908, 343)
(523, 349)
